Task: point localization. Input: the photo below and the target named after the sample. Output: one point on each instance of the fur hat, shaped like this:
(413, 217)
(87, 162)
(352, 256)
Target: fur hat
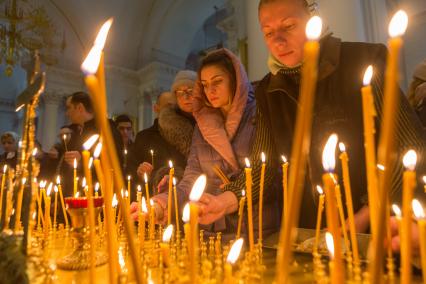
(184, 77)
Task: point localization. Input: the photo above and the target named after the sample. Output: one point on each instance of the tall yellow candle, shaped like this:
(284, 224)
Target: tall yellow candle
(176, 208)
(3, 182)
(55, 207)
(152, 158)
(194, 196)
(169, 201)
(408, 187)
(285, 185)
(241, 213)
(387, 140)
(329, 180)
(300, 148)
(48, 221)
(331, 246)
(19, 205)
(61, 197)
(343, 223)
(424, 181)
(129, 185)
(249, 204)
(349, 206)
(262, 181)
(75, 177)
(369, 112)
(143, 211)
(421, 223)
(232, 257)
(185, 219)
(165, 244)
(319, 219)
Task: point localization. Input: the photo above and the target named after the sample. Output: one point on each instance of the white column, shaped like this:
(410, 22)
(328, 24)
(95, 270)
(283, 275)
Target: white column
(50, 126)
(257, 51)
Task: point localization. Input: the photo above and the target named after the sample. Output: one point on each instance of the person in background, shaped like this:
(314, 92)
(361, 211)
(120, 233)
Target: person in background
(125, 126)
(9, 142)
(417, 92)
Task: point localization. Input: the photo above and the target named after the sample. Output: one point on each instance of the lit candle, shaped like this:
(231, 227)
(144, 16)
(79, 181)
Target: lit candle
(75, 177)
(241, 213)
(232, 257)
(424, 181)
(139, 195)
(3, 182)
(169, 203)
(319, 217)
(152, 157)
(387, 139)
(151, 220)
(409, 185)
(129, 178)
(151, 226)
(249, 203)
(194, 196)
(165, 244)
(114, 205)
(55, 208)
(300, 148)
(19, 205)
(176, 208)
(125, 158)
(185, 219)
(48, 221)
(342, 224)
(331, 246)
(349, 206)
(61, 197)
(285, 184)
(421, 223)
(142, 212)
(329, 180)
(369, 112)
(262, 181)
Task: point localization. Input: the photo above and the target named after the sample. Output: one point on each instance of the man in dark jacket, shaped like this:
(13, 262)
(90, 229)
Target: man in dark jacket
(337, 109)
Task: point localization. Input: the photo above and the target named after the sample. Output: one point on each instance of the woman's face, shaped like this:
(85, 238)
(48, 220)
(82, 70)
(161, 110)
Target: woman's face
(216, 85)
(283, 26)
(184, 98)
(9, 145)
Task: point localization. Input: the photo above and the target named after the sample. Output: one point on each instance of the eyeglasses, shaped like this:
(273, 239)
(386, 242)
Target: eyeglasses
(186, 92)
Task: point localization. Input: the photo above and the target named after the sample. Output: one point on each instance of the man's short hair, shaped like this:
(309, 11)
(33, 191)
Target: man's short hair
(264, 2)
(123, 118)
(82, 98)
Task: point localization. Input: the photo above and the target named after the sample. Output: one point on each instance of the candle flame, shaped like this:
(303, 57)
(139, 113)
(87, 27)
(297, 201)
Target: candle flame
(64, 137)
(328, 155)
(243, 193)
(145, 177)
(342, 147)
(4, 169)
(56, 189)
(35, 150)
(126, 193)
(114, 201)
(77, 194)
(90, 142)
(75, 163)
(398, 24)
(170, 164)
(97, 186)
(103, 33)
(84, 182)
(91, 63)
(34, 215)
(418, 209)
(90, 162)
(139, 188)
(319, 189)
(125, 151)
(284, 159)
(247, 162)
(151, 202)
(198, 188)
(381, 167)
(396, 210)
(235, 250)
(186, 213)
(121, 259)
(263, 158)
(24, 180)
(129, 177)
(49, 189)
(314, 28)
(167, 235)
(409, 160)
(98, 150)
(368, 75)
(58, 179)
(424, 179)
(144, 207)
(330, 243)
(174, 181)
(43, 184)
(152, 152)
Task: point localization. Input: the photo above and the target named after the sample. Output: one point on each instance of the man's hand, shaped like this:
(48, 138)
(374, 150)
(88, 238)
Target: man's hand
(396, 240)
(145, 167)
(212, 208)
(162, 185)
(69, 157)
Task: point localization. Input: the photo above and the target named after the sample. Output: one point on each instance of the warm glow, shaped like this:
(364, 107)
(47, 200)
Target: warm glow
(145, 177)
(43, 183)
(409, 160)
(139, 188)
(330, 243)
(35, 150)
(396, 210)
(319, 189)
(58, 179)
(174, 181)
(90, 162)
(151, 202)
(24, 180)
(4, 169)
(90, 142)
(186, 213)
(170, 164)
(102, 34)
(424, 179)
(121, 259)
(91, 63)
(235, 250)
(77, 194)
(75, 163)
(114, 201)
(418, 209)
(56, 189)
(97, 187)
(64, 137)
(129, 178)
(342, 147)
(98, 150)
(49, 189)
(34, 215)
(398, 24)
(243, 193)
(144, 207)
(314, 28)
(247, 162)
(284, 159)
(167, 235)
(126, 194)
(262, 157)
(125, 151)
(368, 75)
(83, 182)
(381, 167)
(152, 152)
(198, 188)
(328, 155)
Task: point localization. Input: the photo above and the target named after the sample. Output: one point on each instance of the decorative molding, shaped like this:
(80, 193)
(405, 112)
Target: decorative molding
(63, 81)
(122, 74)
(7, 105)
(53, 98)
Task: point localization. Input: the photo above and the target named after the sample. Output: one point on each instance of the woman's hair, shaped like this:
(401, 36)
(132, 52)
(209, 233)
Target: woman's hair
(220, 58)
(9, 135)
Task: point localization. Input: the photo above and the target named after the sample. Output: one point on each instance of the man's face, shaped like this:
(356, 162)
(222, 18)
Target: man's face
(283, 26)
(72, 112)
(126, 131)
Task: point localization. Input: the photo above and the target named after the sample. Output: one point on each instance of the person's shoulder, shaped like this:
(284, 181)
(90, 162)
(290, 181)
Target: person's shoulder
(363, 48)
